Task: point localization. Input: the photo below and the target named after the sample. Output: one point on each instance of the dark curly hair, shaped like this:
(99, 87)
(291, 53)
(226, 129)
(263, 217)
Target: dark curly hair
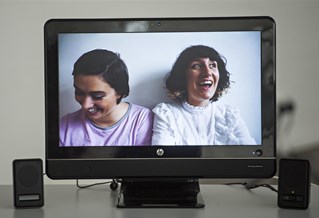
(175, 81)
(109, 66)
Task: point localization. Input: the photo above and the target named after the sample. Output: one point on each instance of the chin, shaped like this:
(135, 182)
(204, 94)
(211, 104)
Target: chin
(93, 117)
(207, 98)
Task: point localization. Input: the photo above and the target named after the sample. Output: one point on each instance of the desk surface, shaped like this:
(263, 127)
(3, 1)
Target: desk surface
(67, 201)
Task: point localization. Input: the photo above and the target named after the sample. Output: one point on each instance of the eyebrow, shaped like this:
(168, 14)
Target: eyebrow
(91, 93)
(198, 59)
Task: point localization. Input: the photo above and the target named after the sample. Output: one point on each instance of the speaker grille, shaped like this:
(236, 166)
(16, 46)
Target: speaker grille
(28, 175)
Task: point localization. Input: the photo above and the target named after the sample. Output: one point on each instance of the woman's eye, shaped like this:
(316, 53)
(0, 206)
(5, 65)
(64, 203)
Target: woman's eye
(196, 66)
(97, 97)
(213, 65)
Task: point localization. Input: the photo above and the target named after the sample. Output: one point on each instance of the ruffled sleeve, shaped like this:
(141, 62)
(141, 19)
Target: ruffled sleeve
(164, 125)
(230, 128)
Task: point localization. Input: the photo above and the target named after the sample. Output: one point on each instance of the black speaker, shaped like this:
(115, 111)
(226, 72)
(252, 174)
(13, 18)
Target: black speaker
(28, 183)
(294, 184)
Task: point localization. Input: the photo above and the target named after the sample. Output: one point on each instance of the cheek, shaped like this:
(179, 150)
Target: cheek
(106, 103)
(191, 77)
(217, 78)
(216, 75)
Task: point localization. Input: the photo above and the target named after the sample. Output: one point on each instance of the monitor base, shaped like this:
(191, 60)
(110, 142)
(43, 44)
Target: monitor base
(160, 193)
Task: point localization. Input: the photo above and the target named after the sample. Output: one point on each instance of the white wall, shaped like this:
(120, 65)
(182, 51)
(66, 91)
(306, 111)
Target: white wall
(22, 57)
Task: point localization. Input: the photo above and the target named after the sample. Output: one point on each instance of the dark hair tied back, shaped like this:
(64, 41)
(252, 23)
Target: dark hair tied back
(108, 65)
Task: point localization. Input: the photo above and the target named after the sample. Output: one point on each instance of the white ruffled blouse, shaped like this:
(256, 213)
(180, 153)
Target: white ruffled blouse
(184, 124)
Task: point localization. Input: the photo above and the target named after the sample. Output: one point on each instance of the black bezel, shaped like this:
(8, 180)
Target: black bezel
(127, 154)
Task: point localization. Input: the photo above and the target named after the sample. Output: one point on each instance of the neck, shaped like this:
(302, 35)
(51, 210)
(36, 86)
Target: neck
(198, 103)
(114, 116)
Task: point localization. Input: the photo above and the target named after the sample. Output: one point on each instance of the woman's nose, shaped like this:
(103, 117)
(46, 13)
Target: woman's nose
(87, 102)
(206, 71)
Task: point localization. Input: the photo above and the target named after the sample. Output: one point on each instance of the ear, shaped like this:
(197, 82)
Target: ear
(117, 95)
(118, 98)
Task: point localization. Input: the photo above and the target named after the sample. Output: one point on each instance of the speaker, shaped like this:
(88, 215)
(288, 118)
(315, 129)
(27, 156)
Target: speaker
(294, 184)
(28, 183)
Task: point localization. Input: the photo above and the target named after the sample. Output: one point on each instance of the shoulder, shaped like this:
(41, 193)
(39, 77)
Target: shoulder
(135, 107)
(72, 121)
(138, 109)
(72, 117)
(166, 108)
(138, 112)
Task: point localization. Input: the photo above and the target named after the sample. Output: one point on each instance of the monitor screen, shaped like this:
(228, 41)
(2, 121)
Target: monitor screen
(160, 98)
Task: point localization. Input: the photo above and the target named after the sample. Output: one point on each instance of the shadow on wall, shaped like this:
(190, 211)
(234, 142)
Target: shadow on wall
(285, 117)
(141, 91)
(312, 156)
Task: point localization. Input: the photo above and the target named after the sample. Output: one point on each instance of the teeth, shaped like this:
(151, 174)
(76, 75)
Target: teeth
(92, 110)
(207, 82)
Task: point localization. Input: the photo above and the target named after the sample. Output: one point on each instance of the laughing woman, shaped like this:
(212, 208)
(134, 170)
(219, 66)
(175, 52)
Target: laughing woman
(197, 80)
(100, 82)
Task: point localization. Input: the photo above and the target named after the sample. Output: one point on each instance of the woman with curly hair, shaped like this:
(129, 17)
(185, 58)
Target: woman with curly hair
(197, 80)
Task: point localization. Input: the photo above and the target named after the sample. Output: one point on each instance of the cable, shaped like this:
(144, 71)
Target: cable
(253, 186)
(113, 184)
(87, 186)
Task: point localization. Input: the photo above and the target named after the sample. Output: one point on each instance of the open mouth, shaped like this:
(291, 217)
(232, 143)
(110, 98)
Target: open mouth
(93, 110)
(206, 83)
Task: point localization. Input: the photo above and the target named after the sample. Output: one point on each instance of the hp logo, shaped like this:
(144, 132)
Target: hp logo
(160, 152)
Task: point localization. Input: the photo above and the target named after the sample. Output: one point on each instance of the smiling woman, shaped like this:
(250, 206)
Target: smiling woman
(100, 80)
(99, 100)
(197, 80)
(202, 80)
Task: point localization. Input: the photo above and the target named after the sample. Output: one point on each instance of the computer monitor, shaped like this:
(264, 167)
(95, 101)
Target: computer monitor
(194, 98)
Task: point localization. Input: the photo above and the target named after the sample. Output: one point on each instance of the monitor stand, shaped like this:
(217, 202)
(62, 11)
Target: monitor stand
(160, 193)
